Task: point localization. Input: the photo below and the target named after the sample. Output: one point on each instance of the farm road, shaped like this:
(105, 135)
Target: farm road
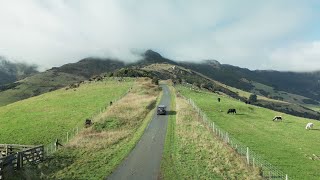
(143, 162)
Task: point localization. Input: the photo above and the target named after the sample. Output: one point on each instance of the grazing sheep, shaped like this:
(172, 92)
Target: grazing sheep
(277, 118)
(309, 126)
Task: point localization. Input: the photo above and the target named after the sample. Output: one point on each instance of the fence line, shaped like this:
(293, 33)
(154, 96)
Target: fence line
(266, 169)
(54, 145)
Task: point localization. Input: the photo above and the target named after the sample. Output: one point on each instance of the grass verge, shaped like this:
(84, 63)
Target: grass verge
(192, 152)
(168, 168)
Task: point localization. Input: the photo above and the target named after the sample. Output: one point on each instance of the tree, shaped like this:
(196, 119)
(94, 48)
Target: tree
(253, 98)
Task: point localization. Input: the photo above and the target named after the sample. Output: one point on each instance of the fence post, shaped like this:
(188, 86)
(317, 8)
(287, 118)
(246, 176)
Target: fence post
(253, 162)
(248, 156)
(67, 136)
(286, 176)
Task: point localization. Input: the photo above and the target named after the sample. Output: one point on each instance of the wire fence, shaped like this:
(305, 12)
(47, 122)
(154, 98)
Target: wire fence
(65, 138)
(267, 170)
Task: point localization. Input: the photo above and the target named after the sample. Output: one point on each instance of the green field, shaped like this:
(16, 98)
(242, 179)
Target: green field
(41, 119)
(287, 145)
(97, 150)
(192, 152)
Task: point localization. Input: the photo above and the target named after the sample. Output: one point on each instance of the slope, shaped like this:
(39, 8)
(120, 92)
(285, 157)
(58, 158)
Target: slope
(56, 78)
(286, 144)
(41, 119)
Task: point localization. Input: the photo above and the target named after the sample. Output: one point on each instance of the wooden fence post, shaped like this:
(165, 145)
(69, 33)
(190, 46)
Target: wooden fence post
(19, 160)
(248, 156)
(67, 136)
(253, 163)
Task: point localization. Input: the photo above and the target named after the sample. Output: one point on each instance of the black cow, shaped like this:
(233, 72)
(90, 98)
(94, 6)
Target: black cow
(219, 99)
(233, 111)
(88, 123)
(277, 118)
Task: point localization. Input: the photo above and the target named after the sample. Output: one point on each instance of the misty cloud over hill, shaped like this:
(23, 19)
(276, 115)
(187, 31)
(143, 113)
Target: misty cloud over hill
(13, 71)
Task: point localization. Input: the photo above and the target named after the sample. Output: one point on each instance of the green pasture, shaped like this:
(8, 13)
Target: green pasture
(287, 144)
(41, 119)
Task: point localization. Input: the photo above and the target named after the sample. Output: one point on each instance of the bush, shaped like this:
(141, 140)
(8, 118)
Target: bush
(155, 80)
(253, 98)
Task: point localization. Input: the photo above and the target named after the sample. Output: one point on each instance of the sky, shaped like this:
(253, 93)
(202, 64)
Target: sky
(256, 34)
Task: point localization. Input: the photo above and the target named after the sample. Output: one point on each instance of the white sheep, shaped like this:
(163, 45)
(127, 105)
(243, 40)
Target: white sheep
(309, 126)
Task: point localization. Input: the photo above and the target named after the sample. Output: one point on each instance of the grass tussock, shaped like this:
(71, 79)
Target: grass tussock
(97, 150)
(200, 155)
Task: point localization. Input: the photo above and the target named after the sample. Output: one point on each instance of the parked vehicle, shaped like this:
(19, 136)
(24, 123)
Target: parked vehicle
(161, 110)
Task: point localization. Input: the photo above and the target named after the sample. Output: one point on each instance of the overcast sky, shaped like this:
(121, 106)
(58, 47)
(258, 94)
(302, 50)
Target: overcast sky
(257, 34)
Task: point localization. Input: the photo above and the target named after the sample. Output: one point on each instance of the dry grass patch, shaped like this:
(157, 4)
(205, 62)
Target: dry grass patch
(199, 154)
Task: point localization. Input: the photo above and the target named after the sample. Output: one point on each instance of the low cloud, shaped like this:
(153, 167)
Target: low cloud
(303, 56)
(243, 33)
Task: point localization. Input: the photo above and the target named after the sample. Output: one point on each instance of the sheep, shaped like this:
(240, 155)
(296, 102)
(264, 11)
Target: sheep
(309, 126)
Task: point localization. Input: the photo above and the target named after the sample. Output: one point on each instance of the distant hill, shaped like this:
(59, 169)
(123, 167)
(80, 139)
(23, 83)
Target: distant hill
(196, 80)
(301, 88)
(11, 72)
(56, 78)
(294, 93)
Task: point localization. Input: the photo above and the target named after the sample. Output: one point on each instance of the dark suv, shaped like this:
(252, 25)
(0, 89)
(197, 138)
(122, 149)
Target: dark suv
(161, 110)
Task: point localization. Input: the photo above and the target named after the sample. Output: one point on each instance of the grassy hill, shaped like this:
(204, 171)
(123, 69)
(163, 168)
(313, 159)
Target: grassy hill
(56, 78)
(288, 86)
(97, 150)
(286, 144)
(41, 119)
(195, 80)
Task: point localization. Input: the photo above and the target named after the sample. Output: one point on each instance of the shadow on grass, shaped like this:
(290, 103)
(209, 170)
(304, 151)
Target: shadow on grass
(171, 113)
(240, 114)
(315, 129)
(48, 167)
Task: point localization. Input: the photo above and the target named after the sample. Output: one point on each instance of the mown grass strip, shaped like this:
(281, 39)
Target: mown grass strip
(168, 166)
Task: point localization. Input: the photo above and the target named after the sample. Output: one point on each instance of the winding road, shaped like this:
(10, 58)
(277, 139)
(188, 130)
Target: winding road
(143, 162)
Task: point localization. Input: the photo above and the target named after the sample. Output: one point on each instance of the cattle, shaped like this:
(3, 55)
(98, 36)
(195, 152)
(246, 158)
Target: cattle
(219, 99)
(233, 111)
(110, 103)
(309, 126)
(88, 123)
(277, 118)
